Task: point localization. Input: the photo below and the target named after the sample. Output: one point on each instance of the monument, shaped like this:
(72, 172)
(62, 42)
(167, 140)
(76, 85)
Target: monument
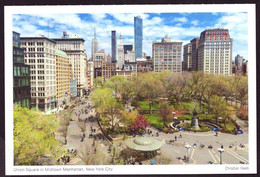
(194, 120)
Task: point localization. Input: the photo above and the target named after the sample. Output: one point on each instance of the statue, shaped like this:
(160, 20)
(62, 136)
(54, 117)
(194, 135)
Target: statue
(194, 120)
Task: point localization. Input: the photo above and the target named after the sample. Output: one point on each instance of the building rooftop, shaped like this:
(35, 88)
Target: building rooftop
(68, 39)
(61, 53)
(42, 37)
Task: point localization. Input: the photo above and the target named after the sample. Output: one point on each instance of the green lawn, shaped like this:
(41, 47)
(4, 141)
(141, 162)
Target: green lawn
(154, 120)
(144, 105)
(188, 106)
(229, 127)
(185, 117)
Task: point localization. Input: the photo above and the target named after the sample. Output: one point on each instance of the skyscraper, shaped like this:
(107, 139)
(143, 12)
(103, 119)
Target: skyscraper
(215, 51)
(138, 27)
(113, 46)
(194, 54)
(94, 45)
(167, 55)
(127, 48)
(239, 60)
(187, 57)
(120, 60)
(21, 75)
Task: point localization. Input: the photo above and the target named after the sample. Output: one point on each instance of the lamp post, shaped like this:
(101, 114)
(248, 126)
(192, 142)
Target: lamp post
(220, 150)
(187, 146)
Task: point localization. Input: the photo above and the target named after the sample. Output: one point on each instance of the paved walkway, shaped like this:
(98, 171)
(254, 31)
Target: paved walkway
(75, 135)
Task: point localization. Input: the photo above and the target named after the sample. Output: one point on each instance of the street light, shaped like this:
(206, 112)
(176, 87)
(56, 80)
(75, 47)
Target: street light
(220, 150)
(187, 146)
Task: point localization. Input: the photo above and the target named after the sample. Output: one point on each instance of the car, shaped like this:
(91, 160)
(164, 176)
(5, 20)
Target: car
(66, 107)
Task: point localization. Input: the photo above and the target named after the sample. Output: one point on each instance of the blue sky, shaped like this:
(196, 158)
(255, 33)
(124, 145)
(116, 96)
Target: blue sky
(179, 26)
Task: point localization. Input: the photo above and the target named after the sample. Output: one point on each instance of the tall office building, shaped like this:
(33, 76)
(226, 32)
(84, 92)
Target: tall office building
(40, 55)
(239, 60)
(74, 48)
(167, 55)
(120, 60)
(194, 54)
(130, 55)
(113, 46)
(138, 32)
(127, 48)
(215, 51)
(94, 45)
(187, 57)
(21, 75)
(62, 77)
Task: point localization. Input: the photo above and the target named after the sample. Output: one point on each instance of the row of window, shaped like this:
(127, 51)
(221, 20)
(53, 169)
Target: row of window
(21, 71)
(23, 103)
(18, 82)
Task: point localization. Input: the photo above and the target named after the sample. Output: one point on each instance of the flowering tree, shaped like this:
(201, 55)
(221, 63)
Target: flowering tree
(139, 124)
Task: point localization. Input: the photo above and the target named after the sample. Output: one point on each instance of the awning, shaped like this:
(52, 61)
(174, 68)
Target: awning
(144, 144)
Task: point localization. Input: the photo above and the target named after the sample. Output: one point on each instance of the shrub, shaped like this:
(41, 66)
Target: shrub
(139, 124)
(243, 114)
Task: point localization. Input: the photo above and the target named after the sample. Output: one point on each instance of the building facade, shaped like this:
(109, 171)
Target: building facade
(167, 55)
(138, 35)
(130, 66)
(62, 77)
(21, 75)
(73, 88)
(99, 57)
(74, 48)
(108, 70)
(194, 54)
(239, 61)
(40, 55)
(127, 74)
(113, 47)
(90, 74)
(187, 57)
(130, 55)
(215, 51)
(120, 58)
(128, 48)
(144, 65)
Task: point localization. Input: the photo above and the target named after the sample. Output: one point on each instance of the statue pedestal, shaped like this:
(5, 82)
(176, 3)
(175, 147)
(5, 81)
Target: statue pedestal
(195, 123)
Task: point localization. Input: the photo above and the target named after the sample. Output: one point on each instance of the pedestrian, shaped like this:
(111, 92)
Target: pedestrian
(175, 138)
(180, 136)
(95, 150)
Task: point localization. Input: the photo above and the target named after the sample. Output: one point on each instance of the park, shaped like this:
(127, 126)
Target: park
(150, 119)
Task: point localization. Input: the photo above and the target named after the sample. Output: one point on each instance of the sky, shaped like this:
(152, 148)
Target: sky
(180, 27)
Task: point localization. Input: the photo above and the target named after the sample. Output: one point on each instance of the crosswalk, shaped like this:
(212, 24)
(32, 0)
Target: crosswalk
(236, 155)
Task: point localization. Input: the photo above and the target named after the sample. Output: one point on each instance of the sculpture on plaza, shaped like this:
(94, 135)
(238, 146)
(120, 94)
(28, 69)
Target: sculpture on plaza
(194, 120)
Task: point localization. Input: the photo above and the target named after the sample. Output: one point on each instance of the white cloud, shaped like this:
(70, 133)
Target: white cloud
(153, 21)
(98, 16)
(195, 22)
(129, 18)
(237, 25)
(181, 19)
